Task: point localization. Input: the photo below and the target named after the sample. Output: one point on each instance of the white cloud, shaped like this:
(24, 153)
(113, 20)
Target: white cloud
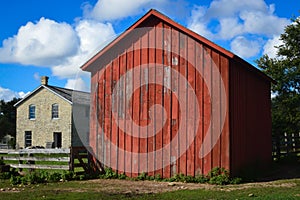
(236, 17)
(108, 10)
(236, 20)
(230, 27)
(77, 84)
(245, 48)
(8, 95)
(269, 47)
(229, 8)
(40, 44)
(197, 22)
(93, 37)
(43, 44)
(265, 23)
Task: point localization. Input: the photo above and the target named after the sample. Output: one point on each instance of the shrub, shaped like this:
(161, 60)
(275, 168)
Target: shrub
(54, 177)
(5, 175)
(68, 175)
(109, 174)
(31, 178)
(122, 176)
(218, 176)
(201, 179)
(15, 180)
(143, 176)
(44, 175)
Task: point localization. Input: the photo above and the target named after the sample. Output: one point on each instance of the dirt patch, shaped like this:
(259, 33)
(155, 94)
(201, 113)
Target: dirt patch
(150, 187)
(140, 187)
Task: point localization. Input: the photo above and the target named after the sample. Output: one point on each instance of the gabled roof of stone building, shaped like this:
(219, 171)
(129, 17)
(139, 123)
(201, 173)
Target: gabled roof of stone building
(69, 95)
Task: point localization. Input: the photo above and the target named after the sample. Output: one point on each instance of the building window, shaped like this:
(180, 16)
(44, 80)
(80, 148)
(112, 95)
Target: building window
(32, 112)
(55, 111)
(28, 138)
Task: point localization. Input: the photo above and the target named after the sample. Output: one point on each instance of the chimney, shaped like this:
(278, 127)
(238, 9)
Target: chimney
(44, 80)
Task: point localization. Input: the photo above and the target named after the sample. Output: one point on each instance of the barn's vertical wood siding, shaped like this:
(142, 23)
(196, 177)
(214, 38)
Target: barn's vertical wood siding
(246, 134)
(250, 115)
(171, 44)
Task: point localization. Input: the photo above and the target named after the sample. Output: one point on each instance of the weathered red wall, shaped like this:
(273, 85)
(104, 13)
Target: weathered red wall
(145, 97)
(245, 136)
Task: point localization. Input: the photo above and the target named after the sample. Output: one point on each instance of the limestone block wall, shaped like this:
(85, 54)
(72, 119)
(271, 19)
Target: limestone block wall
(43, 126)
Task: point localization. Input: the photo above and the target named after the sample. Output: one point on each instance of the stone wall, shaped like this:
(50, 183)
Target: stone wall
(43, 126)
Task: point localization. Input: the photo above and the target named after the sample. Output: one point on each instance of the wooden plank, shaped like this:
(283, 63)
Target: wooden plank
(199, 93)
(100, 116)
(143, 145)
(121, 115)
(108, 114)
(33, 166)
(167, 99)
(115, 117)
(136, 106)
(151, 102)
(128, 112)
(159, 97)
(94, 107)
(225, 141)
(58, 159)
(175, 106)
(216, 109)
(4, 151)
(207, 108)
(183, 95)
(191, 132)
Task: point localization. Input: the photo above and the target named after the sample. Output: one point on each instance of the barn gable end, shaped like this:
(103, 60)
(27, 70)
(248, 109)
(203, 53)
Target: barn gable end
(211, 99)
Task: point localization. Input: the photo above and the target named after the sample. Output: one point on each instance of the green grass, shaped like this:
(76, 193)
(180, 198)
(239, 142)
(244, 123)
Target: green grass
(88, 190)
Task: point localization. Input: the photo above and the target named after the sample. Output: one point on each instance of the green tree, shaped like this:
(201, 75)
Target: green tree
(8, 118)
(285, 70)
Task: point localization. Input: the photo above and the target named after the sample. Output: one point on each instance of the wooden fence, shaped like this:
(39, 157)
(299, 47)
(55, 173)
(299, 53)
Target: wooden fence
(61, 159)
(286, 145)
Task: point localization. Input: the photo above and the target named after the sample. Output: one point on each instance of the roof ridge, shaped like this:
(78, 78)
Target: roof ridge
(61, 88)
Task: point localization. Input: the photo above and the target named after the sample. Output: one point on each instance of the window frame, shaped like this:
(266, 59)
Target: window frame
(31, 112)
(55, 111)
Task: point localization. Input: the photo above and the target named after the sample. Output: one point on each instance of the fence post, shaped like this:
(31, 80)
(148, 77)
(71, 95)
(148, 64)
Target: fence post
(277, 146)
(71, 162)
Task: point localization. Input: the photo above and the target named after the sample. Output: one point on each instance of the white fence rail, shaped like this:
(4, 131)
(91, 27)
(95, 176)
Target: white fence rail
(27, 158)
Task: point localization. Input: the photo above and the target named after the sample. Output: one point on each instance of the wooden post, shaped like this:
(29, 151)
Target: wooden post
(71, 162)
(277, 145)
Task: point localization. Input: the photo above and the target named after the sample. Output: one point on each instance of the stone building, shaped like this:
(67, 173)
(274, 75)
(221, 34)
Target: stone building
(52, 117)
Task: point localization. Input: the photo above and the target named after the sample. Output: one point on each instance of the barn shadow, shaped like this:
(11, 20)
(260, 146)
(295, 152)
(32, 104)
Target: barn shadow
(285, 168)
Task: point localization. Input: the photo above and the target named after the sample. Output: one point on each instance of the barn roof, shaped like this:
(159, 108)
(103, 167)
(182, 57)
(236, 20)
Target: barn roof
(64, 93)
(93, 64)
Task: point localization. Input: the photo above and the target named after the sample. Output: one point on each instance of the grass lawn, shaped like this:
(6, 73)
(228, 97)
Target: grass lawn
(124, 189)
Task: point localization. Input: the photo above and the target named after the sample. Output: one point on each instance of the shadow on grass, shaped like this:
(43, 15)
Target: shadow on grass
(285, 168)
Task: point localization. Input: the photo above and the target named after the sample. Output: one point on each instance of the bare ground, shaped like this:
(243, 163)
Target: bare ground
(149, 187)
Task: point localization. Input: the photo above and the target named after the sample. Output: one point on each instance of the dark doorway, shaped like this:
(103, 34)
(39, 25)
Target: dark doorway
(28, 138)
(57, 139)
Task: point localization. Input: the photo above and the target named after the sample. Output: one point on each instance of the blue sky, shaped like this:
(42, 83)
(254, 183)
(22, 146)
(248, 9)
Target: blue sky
(55, 37)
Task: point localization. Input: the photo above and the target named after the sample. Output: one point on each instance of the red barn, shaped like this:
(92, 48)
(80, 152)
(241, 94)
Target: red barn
(165, 100)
